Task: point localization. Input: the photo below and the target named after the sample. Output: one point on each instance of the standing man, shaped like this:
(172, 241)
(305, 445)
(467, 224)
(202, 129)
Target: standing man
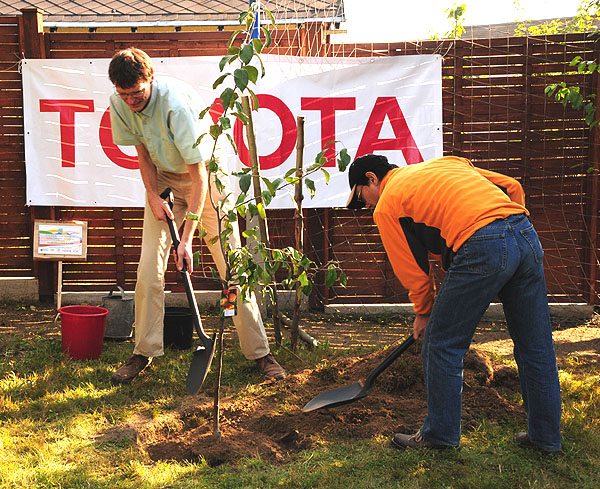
(476, 221)
(160, 118)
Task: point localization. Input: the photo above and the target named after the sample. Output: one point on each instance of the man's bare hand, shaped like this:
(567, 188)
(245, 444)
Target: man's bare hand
(420, 324)
(160, 208)
(184, 252)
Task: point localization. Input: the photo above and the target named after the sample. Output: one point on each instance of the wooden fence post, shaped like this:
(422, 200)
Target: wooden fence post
(31, 41)
(593, 182)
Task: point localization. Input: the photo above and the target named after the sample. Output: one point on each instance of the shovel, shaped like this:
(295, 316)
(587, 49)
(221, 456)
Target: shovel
(203, 354)
(358, 390)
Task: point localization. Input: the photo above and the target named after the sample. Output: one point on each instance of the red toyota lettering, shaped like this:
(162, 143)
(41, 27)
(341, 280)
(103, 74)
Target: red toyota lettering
(67, 109)
(404, 141)
(288, 132)
(327, 106)
(111, 150)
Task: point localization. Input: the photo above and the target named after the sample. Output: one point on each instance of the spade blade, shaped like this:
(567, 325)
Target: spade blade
(337, 397)
(199, 367)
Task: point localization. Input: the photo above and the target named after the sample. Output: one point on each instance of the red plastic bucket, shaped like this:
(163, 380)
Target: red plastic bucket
(82, 331)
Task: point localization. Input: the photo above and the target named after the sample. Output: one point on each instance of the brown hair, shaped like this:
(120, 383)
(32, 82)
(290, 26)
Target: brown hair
(129, 67)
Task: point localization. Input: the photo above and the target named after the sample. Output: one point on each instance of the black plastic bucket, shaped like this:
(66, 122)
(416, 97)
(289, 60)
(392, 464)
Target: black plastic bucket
(178, 328)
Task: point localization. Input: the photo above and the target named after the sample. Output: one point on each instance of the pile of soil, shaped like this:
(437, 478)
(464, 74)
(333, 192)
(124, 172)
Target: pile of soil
(272, 424)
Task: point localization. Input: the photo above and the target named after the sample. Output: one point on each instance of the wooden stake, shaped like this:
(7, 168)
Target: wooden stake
(216, 409)
(299, 224)
(262, 223)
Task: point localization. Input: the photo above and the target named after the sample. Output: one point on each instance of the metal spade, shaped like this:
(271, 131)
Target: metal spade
(203, 354)
(358, 390)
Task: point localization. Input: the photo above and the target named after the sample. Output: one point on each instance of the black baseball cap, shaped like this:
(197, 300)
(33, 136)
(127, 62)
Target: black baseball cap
(377, 164)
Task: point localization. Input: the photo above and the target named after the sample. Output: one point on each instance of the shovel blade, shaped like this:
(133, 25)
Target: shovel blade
(199, 367)
(337, 397)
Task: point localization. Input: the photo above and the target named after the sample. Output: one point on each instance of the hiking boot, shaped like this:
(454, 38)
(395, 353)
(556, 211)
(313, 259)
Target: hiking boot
(132, 368)
(402, 442)
(523, 440)
(271, 368)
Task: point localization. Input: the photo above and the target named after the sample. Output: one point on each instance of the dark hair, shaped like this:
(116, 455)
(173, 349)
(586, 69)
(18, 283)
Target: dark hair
(377, 164)
(129, 67)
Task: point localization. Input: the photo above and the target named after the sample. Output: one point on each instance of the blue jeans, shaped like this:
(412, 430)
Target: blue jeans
(504, 260)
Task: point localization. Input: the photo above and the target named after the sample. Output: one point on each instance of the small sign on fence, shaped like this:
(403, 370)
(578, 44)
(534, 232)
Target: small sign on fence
(59, 240)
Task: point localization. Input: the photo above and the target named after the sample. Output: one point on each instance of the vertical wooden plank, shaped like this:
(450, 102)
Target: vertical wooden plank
(31, 33)
(31, 26)
(119, 243)
(314, 250)
(527, 71)
(457, 99)
(593, 182)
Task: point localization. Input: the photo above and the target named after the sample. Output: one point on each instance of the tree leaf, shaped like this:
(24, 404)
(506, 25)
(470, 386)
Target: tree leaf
(241, 78)
(252, 73)
(252, 209)
(255, 102)
(250, 233)
(243, 15)
(224, 61)
(232, 142)
(245, 181)
(261, 211)
(226, 96)
(215, 131)
(220, 80)
(246, 53)
(205, 111)
(343, 160)
(330, 277)
(270, 15)
(267, 197)
(310, 185)
(199, 140)
(303, 279)
(268, 39)
(225, 122)
(258, 45)
(232, 38)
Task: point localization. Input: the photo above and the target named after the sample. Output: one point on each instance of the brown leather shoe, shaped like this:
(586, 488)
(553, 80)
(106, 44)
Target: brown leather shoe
(271, 368)
(402, 442)
(523, 440)
(132, 368)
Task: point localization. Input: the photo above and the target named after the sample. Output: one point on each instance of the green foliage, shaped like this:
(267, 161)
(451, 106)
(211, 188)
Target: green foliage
(571, 95)
(582, 22)
(253, 268)
(455, 14)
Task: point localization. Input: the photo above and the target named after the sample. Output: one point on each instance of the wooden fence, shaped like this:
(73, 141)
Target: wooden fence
(495, 113)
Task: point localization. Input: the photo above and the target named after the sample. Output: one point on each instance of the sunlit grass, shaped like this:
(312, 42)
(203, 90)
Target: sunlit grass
(55, 413)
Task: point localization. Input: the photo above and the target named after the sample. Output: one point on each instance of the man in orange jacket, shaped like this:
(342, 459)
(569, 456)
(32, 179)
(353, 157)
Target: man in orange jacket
(476, 221)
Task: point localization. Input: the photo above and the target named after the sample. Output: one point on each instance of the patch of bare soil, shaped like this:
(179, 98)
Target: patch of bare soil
(274, 426)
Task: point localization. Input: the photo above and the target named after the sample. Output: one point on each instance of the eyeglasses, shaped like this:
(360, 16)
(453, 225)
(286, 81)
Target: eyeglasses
(359, 195)
(136, 94)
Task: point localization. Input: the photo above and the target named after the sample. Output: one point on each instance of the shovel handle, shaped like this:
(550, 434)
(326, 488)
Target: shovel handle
(391, 357)
(167, 194)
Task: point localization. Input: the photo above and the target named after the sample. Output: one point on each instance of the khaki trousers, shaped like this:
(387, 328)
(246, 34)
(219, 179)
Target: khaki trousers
(156, 247)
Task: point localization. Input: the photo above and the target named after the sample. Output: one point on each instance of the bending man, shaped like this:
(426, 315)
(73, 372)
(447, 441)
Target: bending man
(476, 221)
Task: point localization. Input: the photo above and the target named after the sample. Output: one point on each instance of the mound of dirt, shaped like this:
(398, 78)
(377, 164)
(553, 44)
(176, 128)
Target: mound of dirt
(272, 424)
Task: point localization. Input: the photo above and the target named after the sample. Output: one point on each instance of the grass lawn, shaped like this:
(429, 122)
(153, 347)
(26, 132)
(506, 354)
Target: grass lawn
(63, 425)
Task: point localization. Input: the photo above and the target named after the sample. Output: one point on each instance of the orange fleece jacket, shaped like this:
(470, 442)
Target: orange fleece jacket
(448, 195)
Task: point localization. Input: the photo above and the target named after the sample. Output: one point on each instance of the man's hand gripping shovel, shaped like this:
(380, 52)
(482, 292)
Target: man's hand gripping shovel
(203, 354)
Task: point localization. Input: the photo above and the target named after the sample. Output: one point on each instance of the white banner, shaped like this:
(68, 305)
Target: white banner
(391, 106)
